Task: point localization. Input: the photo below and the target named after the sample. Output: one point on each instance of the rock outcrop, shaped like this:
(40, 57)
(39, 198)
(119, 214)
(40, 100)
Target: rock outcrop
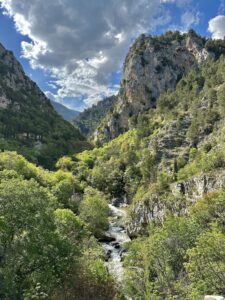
(143, 213)
(198, 186)
(153, 209)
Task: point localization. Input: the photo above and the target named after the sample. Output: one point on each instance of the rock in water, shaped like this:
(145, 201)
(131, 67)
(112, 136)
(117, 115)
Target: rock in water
(117, 202)
(106, 239)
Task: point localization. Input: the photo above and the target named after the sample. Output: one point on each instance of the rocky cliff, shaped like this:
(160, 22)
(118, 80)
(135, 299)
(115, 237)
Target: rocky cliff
(168, 168)
(152, 66)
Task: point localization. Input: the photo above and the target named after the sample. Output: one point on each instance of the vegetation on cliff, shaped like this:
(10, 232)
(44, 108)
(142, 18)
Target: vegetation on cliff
(154, 64)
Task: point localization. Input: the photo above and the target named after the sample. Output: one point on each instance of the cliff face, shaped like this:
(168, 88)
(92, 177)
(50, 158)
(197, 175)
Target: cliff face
(14, 78)
(190, 191)
(152, 66)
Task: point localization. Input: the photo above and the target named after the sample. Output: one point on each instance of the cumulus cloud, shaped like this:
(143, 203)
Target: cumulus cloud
(81, 43)
(217, 27)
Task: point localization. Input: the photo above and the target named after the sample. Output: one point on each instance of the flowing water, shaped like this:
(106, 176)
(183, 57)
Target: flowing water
(115, 249)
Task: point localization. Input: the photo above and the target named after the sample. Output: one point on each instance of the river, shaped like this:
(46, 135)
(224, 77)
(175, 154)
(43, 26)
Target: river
(115, 249)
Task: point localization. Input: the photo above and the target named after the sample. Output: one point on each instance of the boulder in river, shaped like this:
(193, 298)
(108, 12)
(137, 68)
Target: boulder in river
(106, 239)
(117, 202)
(123, 253)
(116, 245)
(108, 255)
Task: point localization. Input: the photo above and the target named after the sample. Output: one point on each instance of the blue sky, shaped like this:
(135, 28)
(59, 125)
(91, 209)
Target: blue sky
(75, 51)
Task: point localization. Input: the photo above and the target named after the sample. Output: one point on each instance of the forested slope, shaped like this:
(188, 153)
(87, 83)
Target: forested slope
(28, 122)
(88, 120)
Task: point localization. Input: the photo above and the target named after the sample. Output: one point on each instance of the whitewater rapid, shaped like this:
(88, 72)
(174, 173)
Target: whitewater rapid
(115, 249)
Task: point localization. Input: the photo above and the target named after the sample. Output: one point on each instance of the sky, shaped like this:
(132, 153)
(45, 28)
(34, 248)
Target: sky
(75, 49)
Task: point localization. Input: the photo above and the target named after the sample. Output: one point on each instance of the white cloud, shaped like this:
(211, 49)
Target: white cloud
(221, 10)
(190, 18)
(53, 97)
(217, 27)
(81, 43)
(179, 3)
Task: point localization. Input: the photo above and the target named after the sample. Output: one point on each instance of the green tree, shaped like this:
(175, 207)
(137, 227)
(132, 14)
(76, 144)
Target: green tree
(221, 99)
(94, 211)
(206, 265)
(33, 256)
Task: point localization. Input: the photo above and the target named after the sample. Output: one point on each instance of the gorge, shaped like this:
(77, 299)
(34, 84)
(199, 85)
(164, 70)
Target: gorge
(134, 210)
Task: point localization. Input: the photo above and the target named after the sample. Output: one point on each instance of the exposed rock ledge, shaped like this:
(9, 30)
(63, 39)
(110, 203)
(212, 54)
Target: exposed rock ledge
(196, 187)
(143, 213)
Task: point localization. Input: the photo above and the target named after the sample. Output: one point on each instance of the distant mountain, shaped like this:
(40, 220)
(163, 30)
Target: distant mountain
(88, 120)
(28, 122)
(66, 113)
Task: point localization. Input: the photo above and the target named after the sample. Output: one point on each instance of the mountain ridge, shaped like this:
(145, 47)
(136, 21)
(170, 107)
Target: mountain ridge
(67, 113)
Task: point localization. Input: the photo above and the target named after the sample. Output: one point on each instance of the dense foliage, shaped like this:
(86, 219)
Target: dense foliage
(46, 249)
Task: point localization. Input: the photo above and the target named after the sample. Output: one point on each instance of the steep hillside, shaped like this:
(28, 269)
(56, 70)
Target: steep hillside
(152, 66)
(169, 169)
(88, 120)
(63, 111)
(28, 122)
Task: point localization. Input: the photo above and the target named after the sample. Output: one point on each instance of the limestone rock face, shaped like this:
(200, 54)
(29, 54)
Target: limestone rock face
(4, 102)
(13, 77)
(197, 186)
(151, 67)
(144, 212)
